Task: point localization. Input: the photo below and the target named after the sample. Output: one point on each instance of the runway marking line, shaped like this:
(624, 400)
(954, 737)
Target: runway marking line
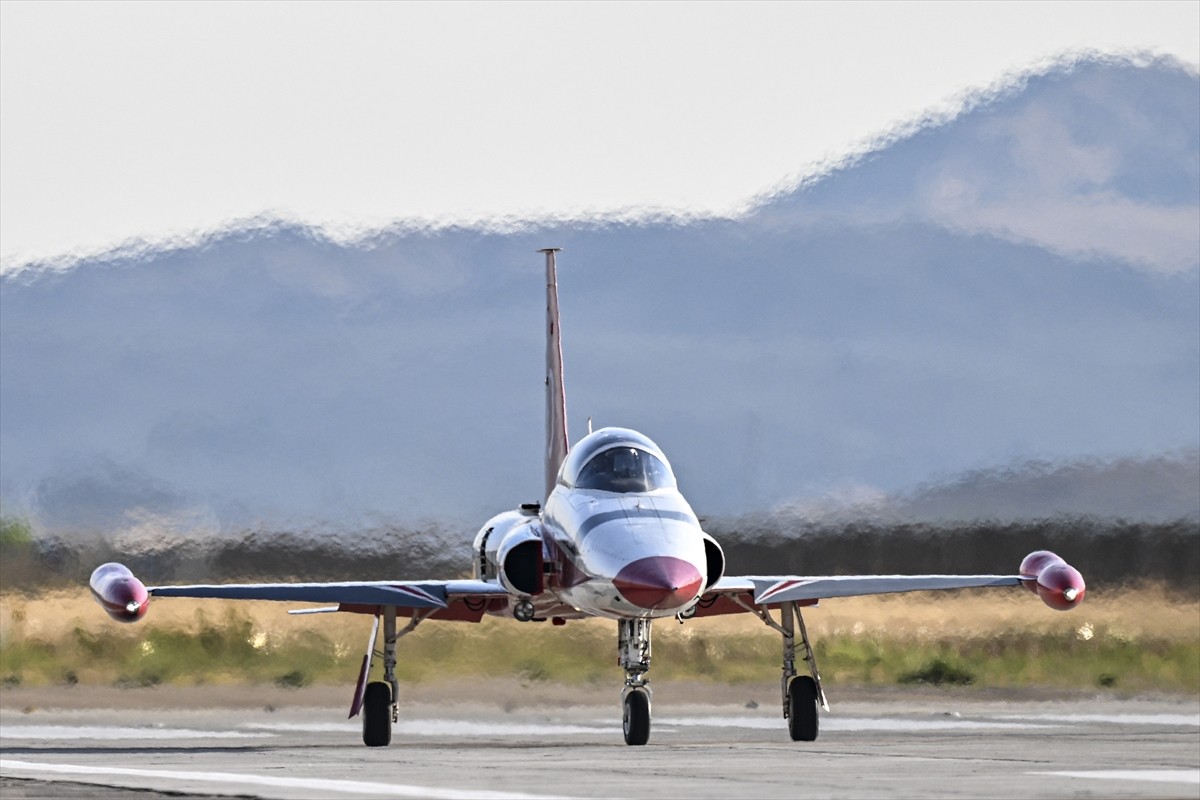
(110, 733)
(314, 784)
(1188, 776)
(1116, 719)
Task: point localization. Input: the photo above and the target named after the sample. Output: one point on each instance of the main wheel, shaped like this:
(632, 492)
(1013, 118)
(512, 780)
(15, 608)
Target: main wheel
(637, 718)
(803, 717)
(377, 715)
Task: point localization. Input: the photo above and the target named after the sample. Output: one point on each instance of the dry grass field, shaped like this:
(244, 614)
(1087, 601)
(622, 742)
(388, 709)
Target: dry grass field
(1134, 640)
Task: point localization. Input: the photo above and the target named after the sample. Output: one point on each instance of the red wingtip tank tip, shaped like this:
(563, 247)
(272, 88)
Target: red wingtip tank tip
(1055, 581)
(122, 596)
(1061, 586)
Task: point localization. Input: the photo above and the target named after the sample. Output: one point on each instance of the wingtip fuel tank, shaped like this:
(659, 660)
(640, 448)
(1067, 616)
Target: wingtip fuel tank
(1055, 581)
(123, 597)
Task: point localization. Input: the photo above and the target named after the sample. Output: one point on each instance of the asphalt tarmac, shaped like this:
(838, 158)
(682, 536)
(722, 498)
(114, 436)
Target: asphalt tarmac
(894, 744)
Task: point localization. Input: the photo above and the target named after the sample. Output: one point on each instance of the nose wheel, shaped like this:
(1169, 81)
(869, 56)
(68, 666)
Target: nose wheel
(636, 719)
(633, 650)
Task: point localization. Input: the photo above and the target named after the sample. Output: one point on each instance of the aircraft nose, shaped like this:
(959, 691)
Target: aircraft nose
(658, 582)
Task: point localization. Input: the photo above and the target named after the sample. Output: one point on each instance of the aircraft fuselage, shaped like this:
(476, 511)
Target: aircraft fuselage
(618, 539)
(638, 555)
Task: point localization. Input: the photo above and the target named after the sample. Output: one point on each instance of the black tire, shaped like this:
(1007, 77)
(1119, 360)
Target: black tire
(803, 714)
(637, 718)
(377, 715)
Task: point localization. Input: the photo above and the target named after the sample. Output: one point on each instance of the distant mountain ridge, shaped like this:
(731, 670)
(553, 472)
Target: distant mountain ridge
(1091, 158)
(1021, 283)
(1155, 490)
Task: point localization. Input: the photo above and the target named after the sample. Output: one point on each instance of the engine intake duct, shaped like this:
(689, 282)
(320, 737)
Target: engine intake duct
(521, 567)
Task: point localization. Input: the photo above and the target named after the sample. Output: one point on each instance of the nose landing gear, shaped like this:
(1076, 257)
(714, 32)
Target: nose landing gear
(633, 651)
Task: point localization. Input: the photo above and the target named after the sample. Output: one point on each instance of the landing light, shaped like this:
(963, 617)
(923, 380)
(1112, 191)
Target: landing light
(132, 606)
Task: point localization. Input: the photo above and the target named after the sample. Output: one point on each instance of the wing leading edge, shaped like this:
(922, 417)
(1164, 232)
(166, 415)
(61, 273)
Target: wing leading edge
(401, 594)
(793, 588)
(734, 595)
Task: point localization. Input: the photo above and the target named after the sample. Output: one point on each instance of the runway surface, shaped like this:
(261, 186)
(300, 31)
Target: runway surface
(895, 744)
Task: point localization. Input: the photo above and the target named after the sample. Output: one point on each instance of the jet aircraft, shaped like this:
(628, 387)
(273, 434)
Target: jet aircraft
(613, 537)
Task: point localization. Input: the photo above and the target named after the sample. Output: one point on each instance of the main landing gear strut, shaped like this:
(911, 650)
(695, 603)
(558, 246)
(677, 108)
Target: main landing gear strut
(633, 654)
(802, 694)
(379, 708)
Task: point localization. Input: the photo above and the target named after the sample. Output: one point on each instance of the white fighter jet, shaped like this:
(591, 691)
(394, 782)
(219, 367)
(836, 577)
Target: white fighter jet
(613, 538)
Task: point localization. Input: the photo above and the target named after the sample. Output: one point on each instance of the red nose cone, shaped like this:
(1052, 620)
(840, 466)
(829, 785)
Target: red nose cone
(658, 582)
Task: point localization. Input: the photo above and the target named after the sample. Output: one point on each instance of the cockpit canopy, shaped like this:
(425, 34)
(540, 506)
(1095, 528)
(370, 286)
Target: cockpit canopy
(625, 469)
(617, 460)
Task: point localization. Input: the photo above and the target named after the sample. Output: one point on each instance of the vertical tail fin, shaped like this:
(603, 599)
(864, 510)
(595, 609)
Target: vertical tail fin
(556, 393)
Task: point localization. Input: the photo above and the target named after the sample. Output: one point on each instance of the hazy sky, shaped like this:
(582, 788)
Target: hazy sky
(122, 120)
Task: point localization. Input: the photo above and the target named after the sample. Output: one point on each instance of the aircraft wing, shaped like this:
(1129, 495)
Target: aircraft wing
(725, 594)
(786, 588)
(401, 594)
